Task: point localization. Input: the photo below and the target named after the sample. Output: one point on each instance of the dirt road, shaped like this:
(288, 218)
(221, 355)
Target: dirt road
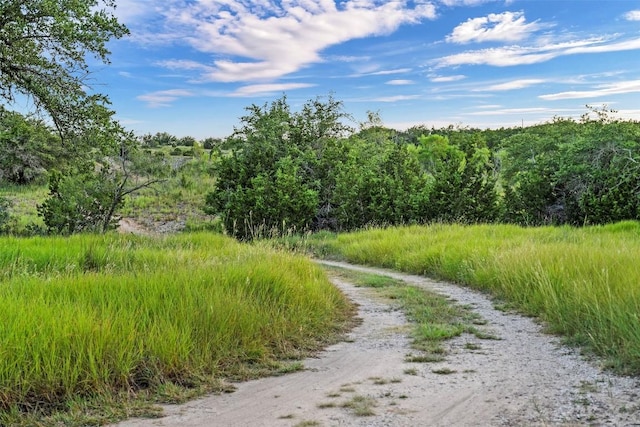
(524, 378)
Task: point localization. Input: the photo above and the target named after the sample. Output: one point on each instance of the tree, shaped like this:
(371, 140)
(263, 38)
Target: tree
(187, 141)
(211, 142)
(28, 148)
(87, 197)
(464, 179)
(601, 171)
(377, 182)
(44, 45)
(272, 178)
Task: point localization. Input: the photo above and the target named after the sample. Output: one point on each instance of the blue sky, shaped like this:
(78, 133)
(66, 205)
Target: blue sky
(191, 67)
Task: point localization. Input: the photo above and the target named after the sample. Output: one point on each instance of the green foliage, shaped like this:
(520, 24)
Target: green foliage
(178, 201)
(28, 149)
(211, 142)
(44, 51)
(160, 139)
(87, 197)
(187, 141)
(298, 171)
(269, 182)
(573, 172)
(4, 214)
(464, 177)
(81, 202)
(379, 183)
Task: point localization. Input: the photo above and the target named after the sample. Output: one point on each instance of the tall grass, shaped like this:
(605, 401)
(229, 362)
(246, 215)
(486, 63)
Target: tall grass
(102, 314)
(584, 283)
(24, 205)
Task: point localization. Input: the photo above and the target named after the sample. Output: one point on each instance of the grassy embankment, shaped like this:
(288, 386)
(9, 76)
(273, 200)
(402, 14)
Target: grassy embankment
(583, 283)
(88, 320)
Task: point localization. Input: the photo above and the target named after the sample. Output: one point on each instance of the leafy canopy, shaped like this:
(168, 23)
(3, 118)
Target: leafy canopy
(44, 46)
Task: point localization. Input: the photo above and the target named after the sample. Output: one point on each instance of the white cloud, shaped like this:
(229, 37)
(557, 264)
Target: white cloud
(447, 79)
(510, 111)
(464, 2)
(400, 82)
(520, 55)
(512, 85)
(350, 58)
(373, 70)
(631, 86)
(128, 11)
(507, 26)
(265, 40)
(388, 72)
(261, 89)
(395, 98)
(164, 98)
(184, 64)
(633, 15)
(629, 114)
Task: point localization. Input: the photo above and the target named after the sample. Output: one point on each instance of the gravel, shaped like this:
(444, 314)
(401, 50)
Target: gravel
(524, 378)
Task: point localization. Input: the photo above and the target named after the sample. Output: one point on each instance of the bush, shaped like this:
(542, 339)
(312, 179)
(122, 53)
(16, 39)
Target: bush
(5, 204)
(80, 203)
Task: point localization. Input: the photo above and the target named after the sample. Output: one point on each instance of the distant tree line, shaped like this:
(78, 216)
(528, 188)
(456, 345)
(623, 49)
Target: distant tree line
(285, 171)
(308, 170)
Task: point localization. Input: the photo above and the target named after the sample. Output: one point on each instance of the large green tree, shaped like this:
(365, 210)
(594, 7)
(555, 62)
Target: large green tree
(303, 170)
(464, 177)
(44, 51)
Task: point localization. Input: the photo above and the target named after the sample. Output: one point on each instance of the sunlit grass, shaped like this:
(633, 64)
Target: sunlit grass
(584, 283)
(100, 315)
(24, 201)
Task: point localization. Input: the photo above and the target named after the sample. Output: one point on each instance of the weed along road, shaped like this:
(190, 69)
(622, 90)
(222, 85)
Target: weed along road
(508, 374)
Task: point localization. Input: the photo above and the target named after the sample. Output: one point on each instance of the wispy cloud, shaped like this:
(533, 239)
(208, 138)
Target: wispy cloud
(127, 11)
(263, 89)
(511, 111)
(164, 98)
(400, 82)
(447, 79)
(395, 98)
(631, 86)
(506, 27)
(465, 2)
(265, 40)
(512, 85)
(519, 55)
(370, 71)
(632, 15)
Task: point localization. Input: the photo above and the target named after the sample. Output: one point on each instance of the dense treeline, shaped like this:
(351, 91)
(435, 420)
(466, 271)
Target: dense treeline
(284, 170)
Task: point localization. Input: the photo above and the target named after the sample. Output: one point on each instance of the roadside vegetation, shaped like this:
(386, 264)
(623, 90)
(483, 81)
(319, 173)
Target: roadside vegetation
(99, 318)
(582, 282)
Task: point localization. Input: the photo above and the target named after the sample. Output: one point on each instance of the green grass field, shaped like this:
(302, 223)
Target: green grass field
(583, 283)
(89, 316)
